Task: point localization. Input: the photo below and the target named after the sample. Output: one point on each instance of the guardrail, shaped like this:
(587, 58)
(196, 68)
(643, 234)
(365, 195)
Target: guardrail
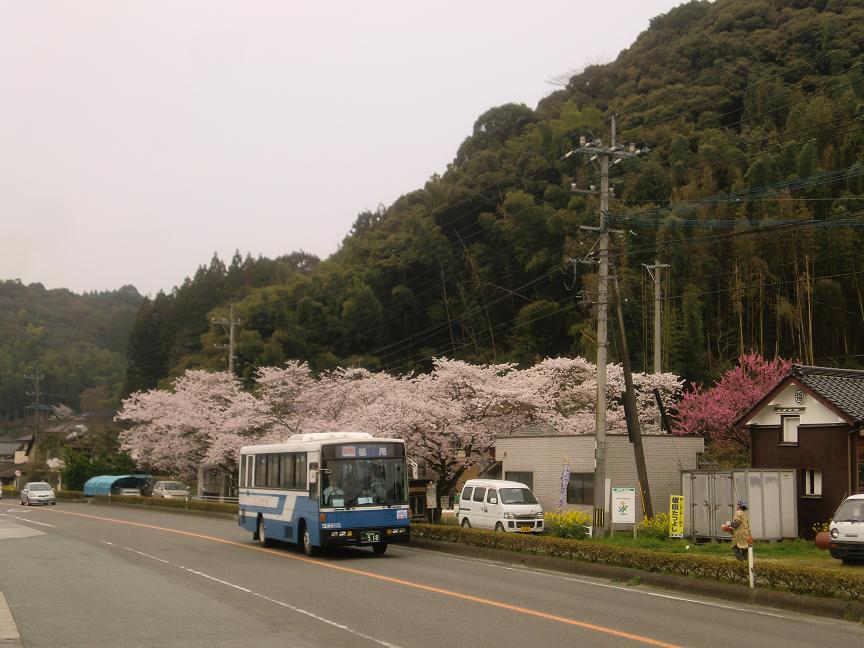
(216, 498)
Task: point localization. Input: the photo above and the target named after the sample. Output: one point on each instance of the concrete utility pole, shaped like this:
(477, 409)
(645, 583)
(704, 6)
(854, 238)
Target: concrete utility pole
(597, 151)
(36, 379)
(230, 323)
(658, 357)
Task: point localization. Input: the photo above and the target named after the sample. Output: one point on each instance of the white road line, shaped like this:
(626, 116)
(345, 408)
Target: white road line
(631, 590)
(141, 553)
(245, 590)
(27, 520)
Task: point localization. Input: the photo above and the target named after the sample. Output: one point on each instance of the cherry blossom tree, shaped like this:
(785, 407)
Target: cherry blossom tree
(712, 411)
(562, 393)
(449, 418)
(202, 421)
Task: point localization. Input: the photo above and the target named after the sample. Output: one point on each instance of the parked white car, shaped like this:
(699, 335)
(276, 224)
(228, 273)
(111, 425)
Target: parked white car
(37, 493)
(170, 489)
(500, 505)
(846, 531)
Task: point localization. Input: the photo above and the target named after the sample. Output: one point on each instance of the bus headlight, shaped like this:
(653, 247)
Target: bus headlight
(509, 516)
(540, 515)
(835, 533)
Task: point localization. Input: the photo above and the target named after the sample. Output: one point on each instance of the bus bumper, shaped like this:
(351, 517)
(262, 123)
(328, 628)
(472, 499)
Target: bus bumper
(364, 537)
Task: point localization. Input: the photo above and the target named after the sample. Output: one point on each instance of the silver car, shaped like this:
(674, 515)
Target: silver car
(37, 493)
(170, 489)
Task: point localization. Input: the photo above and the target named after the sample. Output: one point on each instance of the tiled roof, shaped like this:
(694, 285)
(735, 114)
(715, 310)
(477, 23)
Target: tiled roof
(843, 388)
(9, 447)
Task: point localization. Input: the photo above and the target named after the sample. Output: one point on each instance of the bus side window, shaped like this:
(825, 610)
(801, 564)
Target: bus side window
(242, 471)
(313, 480)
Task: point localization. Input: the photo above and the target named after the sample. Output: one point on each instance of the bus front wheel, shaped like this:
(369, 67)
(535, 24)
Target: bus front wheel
(308, 548)
(263, 540)
(379, 547)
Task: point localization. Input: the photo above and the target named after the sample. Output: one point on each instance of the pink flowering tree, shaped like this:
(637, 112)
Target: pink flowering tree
(712, 411)
(450, 417)
(292, 400)
(562, 393)
(202, 421)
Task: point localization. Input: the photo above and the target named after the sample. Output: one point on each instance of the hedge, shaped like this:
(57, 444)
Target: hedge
(821, 582)
(69, 494)
(175, 503)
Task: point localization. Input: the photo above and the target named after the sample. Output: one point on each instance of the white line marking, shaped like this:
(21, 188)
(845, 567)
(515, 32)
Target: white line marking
(245, 590)
(141, 553)
(26, 520)
(608, 586)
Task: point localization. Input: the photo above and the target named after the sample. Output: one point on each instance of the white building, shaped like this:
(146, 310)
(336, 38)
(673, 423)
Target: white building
(539, 462)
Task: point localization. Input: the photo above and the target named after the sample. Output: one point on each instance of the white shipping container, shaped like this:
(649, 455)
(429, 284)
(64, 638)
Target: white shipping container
(710, 497)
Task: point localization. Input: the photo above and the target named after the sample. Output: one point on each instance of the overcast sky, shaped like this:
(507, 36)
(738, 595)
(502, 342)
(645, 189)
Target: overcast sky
(138, 138)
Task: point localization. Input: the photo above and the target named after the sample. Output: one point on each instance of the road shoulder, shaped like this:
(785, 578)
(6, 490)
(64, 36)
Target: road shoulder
(824, 607)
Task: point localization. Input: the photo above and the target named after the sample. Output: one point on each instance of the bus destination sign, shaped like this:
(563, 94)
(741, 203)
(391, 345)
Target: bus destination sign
(366, 451)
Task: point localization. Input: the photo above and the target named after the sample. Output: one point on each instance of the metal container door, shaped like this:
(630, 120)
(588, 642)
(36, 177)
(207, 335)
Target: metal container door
(724, 504)
(700, 507)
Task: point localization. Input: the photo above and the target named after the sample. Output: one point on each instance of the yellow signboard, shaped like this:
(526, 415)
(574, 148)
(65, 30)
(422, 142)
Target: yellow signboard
(676, 516)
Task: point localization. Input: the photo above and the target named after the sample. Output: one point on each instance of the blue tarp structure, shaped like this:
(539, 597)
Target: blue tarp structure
(102, 484)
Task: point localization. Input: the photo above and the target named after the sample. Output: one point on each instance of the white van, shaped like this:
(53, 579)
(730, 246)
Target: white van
(500, 505)
(846, 531)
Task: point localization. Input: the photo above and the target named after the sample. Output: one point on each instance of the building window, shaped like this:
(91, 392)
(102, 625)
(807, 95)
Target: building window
(789, 426)
(526, 478)
(812, 482)
(580, 489)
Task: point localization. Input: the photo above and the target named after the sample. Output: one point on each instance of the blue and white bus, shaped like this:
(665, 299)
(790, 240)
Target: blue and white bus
(326, 489)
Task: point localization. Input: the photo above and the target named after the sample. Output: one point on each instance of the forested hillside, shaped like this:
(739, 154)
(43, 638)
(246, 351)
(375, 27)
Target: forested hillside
(752, 193)
(77, 343)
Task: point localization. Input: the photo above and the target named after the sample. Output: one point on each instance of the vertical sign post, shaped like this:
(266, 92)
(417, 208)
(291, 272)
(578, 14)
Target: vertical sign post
(676, 516)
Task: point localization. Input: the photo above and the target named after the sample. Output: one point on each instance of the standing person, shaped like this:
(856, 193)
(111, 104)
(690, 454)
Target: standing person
(740, 526)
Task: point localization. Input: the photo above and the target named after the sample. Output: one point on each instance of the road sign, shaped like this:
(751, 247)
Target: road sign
(623, 506)
(676, 516)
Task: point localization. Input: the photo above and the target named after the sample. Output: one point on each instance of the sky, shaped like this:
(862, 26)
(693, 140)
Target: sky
(138, 138)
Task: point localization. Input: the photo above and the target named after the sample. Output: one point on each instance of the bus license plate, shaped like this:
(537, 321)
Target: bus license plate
(524, 528)
(370, 536)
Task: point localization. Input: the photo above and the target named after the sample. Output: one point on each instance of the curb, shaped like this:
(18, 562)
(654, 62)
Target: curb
(824, 607)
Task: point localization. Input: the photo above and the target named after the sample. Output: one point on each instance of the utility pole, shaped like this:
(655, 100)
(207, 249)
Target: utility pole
(658, 357)
(230, 323)
(634, 431)
(597, 151)
(36, 379)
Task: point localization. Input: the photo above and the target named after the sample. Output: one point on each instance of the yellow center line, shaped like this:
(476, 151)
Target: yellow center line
(388, 579)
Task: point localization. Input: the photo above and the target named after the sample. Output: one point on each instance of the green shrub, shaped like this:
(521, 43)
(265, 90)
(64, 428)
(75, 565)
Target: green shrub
(655, 527)
(174, 503)
(69, 494)
(570, 524)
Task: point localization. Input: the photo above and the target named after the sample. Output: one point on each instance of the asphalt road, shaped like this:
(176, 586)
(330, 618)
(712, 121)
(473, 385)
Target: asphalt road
(83, 575)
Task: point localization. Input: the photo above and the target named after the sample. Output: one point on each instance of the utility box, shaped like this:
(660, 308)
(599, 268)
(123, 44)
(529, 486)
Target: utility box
(710, 497)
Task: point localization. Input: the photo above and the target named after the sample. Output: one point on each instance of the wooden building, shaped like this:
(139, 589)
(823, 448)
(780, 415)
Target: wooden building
(812, 422)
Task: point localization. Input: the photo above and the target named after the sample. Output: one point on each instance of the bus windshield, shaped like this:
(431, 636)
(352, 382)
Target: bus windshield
(363, 482)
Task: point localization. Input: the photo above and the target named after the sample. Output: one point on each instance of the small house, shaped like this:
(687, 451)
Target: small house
(812, 422)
